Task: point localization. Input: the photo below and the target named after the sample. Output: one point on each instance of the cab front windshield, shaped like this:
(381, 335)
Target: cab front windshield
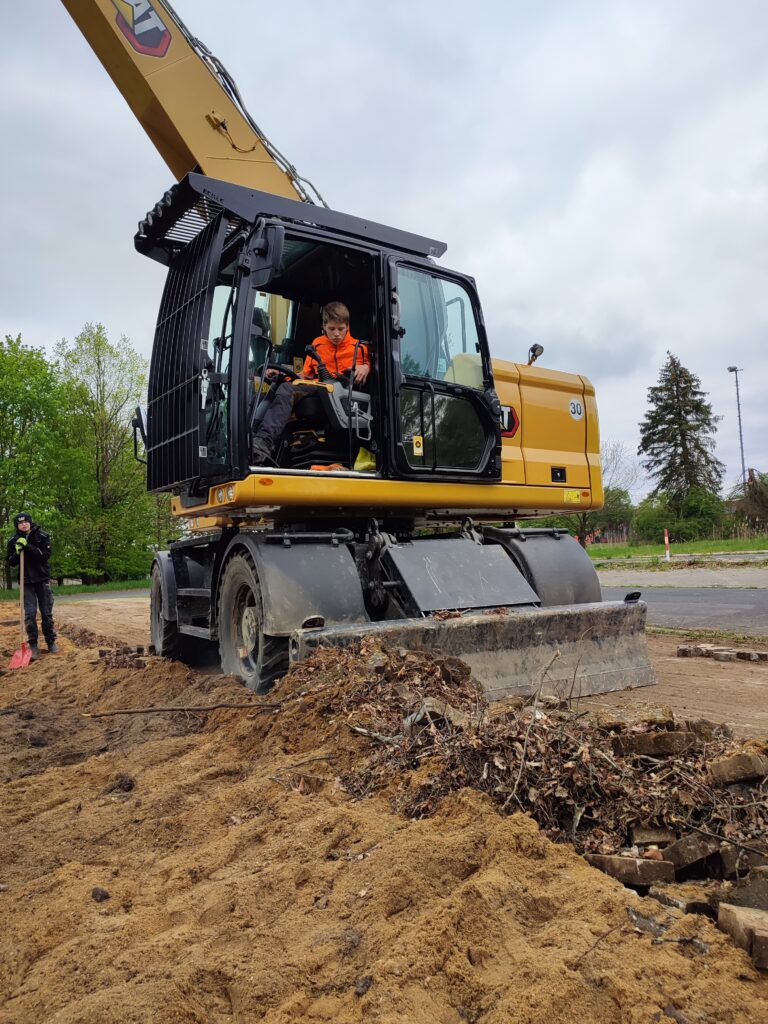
(441, 340)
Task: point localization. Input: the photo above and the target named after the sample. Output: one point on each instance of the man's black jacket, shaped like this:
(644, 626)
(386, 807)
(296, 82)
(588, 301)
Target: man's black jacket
(36, 554)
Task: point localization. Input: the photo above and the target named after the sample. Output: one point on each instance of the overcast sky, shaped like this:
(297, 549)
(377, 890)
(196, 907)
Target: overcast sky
(600, 168)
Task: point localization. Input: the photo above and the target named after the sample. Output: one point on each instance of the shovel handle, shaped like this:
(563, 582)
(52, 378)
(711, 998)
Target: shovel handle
(21, 596)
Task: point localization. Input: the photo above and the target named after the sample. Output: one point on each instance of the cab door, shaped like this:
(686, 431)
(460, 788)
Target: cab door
(445, 416)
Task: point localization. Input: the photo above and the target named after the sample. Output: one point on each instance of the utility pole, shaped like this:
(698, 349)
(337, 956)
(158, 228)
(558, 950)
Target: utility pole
(736, 370)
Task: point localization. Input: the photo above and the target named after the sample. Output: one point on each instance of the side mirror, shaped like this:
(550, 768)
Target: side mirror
(139, 424)
(534, 352)
(266, 254)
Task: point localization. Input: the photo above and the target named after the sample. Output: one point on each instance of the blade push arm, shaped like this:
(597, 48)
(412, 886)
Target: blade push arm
(183, 96)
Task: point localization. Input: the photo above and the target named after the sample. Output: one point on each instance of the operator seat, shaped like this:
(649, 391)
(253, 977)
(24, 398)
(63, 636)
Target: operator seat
(331, 424)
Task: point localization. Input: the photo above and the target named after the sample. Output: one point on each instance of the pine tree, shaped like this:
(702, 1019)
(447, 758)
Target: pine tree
(676, 435)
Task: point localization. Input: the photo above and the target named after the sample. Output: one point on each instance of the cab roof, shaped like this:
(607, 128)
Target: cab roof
(187, 207)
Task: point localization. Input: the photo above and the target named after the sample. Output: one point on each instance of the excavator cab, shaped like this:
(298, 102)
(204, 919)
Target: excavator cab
(248, 276)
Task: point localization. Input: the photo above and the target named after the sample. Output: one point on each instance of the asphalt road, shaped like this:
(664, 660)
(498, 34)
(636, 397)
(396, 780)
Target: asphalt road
(738, 610)
(734, 610)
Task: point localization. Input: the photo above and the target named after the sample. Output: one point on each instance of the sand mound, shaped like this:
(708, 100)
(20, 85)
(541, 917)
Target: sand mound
(212, 867)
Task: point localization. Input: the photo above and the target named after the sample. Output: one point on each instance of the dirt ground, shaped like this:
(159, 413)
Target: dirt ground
(203, 868)
(732, 692)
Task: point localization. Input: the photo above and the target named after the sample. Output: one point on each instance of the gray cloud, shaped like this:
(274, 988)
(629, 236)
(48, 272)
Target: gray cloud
(600, 168)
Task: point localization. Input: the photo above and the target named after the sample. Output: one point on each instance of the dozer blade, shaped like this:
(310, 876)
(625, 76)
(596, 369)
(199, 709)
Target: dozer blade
(570, 651)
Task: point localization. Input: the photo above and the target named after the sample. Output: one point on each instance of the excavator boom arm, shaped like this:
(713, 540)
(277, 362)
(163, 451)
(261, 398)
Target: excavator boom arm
(183, 96)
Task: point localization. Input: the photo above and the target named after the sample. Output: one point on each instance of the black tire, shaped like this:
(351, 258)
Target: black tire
(165, 632)
(166, 638)
(244, 649)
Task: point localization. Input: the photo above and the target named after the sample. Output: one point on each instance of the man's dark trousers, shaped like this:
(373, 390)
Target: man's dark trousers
(39, 595)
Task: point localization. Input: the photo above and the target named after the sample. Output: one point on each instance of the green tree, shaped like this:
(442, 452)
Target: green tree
(107, 523)
(28, 432)
(676, 436)
(752, 501)
(701, 514)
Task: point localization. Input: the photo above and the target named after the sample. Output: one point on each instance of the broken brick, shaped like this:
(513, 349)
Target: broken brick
(633, 870)
(655, 744)
(739, 767)
(691, 849)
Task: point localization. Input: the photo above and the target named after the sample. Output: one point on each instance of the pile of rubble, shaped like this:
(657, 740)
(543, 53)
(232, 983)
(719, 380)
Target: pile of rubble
(720, 653)
(651, 801)
(608, 784)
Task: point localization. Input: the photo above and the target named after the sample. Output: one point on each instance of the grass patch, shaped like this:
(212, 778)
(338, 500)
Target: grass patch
(83, 588)
(707, 634)
(600, 552)
(690, 562)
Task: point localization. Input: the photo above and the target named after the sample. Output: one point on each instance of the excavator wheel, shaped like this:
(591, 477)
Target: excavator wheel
(245, 650)
(166, 638)
(165, 632)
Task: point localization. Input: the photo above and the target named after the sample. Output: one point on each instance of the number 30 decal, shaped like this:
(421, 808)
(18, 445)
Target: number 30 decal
(576, 408)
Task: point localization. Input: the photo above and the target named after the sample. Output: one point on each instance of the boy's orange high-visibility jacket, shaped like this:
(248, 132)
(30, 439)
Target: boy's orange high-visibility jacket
(337, 358)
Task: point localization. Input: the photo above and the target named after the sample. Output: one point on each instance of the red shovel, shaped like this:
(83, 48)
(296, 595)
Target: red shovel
(23, 656)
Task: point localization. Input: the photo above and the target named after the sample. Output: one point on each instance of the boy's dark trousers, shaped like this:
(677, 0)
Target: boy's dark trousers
(39, 595)
(279, 412)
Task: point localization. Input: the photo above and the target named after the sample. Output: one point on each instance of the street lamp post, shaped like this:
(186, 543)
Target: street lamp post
(736, 370)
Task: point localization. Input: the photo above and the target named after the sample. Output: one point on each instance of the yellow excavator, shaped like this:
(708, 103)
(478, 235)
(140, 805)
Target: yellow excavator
(393, 509)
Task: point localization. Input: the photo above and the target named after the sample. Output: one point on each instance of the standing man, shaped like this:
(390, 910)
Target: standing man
(36, 545)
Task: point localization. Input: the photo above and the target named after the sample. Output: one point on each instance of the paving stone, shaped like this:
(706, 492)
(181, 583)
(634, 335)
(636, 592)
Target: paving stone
(655, 744)
(750, 892)
(633, 870)
(610, 720)
(691, 849)
(688, 905)
(735, 861)
(686, 651)
(739, 767)
(748, 928)
(662, 715)
(708, 730)
(647, 835)
(710, 650)
(747, 656)
(760, 949)
(724, 655)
